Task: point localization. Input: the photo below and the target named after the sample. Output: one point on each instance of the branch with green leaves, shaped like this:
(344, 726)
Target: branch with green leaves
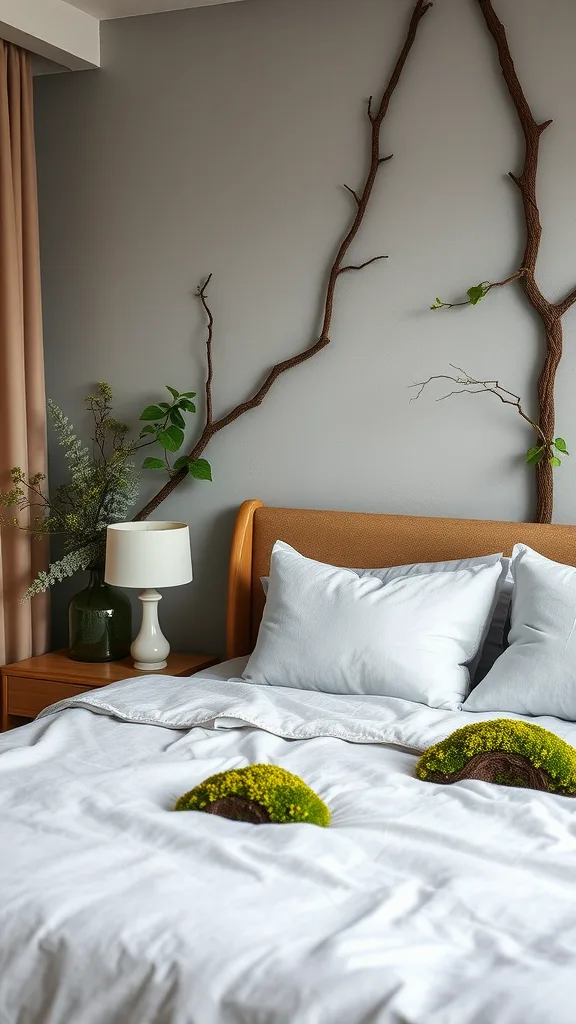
(478, 291)
(376, 114)
(545, 447)
(165, 426)
(543, 454)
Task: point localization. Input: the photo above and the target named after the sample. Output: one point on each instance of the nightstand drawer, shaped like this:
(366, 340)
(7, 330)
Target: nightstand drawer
(28, 697)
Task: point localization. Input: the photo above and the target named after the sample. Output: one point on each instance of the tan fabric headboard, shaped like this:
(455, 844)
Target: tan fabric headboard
(362, 540)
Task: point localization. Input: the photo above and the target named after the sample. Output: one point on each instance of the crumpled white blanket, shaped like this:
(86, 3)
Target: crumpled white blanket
(421, 904)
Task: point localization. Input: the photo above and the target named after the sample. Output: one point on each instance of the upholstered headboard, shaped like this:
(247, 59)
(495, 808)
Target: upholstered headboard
(362, 540)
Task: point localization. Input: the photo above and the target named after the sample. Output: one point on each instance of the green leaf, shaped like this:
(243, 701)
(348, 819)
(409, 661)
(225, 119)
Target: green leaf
(147, 430)
(560, 445)
(187, 405)
(153, 464)
(173, 392)
(177, 418)
(152, 412)
(180, 463)
(554, 461)
(477, 292)
(165, 406)
(200, 469)
(534, 454)
(171, 438)
(188, 394)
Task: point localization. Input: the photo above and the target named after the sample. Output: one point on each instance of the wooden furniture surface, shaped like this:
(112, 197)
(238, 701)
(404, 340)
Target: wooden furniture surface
(32, 685)
(362, 540)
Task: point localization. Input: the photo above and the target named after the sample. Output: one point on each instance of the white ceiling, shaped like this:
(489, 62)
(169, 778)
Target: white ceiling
(105, 9)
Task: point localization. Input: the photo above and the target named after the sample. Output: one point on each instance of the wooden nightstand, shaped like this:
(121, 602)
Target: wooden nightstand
(32, 685)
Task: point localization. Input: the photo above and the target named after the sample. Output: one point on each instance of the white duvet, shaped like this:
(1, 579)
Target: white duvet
(421, 904)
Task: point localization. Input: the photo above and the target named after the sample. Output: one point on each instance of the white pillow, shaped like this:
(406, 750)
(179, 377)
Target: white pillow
(328, 629)
(395, 572)
(494, 637)
(536, 675)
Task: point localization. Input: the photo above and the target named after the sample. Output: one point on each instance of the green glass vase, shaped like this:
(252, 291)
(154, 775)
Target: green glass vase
(100, 622)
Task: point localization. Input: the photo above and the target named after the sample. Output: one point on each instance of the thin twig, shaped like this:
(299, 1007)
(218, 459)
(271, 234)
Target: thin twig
(210, 369)
(492, 387)
(360, 266)
(353, 193)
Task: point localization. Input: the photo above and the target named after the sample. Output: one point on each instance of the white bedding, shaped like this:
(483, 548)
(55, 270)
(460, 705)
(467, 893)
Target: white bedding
(421, 904)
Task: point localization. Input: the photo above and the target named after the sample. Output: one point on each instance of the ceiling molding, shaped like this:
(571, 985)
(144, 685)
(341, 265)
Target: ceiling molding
(106, 10)
(64, 35)
(54, 30)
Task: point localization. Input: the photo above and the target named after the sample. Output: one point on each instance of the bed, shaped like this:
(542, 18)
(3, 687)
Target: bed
(421, 904)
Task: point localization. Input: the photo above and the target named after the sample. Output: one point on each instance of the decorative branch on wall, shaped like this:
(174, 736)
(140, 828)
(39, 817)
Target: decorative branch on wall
(468, 385)
(543, 454)
(361, 199)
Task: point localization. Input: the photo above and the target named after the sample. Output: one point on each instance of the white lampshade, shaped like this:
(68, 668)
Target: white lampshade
(148, 555)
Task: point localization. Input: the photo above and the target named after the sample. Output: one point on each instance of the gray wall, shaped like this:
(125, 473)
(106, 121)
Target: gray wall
(216, 139)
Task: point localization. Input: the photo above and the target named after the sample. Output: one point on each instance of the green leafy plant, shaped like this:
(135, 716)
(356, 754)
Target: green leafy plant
(103, 480)
(536, 453)
(475, 293)
(165, 426)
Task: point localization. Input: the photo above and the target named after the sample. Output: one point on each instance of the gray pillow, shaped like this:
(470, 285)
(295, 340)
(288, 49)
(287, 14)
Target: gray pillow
(496, 640)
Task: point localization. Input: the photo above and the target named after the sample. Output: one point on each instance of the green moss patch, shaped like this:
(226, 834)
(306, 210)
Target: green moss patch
(284, 796)
(539, 746)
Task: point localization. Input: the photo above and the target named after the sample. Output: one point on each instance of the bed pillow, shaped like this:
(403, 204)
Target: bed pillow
(395, 572)
(497, 625)
(325, 628)
(536, 675)
(496, 639)
(494, 635)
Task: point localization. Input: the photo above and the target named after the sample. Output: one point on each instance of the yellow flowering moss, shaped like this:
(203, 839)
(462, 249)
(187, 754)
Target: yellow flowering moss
(540, 746)
(284, 795)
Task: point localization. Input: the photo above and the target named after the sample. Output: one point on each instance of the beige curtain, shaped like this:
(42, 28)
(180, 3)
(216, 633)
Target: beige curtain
(23, 628)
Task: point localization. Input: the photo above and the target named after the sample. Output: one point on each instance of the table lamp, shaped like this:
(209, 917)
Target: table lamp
(147, 555)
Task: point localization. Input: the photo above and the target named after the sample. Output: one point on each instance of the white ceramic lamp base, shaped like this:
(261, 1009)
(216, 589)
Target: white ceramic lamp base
(150, 648)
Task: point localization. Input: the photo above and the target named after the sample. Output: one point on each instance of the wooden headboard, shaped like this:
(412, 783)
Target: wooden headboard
(362, 540)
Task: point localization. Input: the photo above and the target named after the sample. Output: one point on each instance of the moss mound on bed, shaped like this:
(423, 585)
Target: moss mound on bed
(259, 793)
(504, 751)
